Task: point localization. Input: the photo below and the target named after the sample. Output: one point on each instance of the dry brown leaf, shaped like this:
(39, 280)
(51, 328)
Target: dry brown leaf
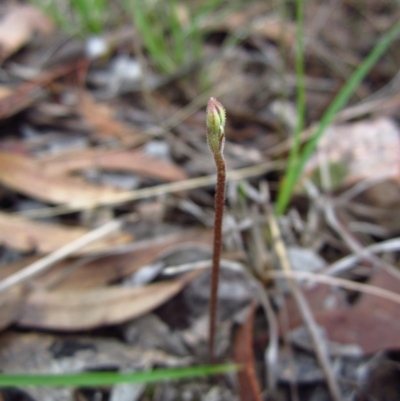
(373, 322)
(368, 149)
(112, 268)
(24, 175)
(10, 303)
(88, 309)
(130, 161)
(275, 29)
(18, 26)
(101, 118)
(27, 235)
(11, 268)
(248, 383)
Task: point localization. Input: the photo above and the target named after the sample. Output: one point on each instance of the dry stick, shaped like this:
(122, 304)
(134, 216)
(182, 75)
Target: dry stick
(42, 264)
(339, 282)
(349, 238)
(300, 275)
(215, 138)
(304, 309)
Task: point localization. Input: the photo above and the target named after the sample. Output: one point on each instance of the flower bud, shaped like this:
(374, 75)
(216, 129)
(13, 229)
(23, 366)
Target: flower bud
(215, 125)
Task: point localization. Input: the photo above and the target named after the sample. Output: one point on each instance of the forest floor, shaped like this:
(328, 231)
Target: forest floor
(107, 208)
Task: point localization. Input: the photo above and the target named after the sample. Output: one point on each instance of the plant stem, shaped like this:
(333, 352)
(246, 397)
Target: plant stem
(216, 138)
(219, 214)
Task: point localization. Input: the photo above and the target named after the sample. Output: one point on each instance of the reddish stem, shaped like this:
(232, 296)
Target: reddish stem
(219, 213)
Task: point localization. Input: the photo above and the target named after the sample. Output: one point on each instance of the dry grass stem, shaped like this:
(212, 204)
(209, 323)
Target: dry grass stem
(391, 245)
(339, 282)
(157, 190)
(304, 309)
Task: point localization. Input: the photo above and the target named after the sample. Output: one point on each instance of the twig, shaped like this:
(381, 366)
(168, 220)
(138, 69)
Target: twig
(313, 277)
(339, 282)
(342, 230)
(391, 245)
(43, 264)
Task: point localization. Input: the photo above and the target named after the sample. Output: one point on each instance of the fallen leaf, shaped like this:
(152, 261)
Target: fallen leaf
(129, 161)
(373, 323)
(13, 267)
(100, 117)
(275, 29)
(87, 309)
(368, 149)
(248, 383)
(24, 175)
(115, 267)
(26, 235)
(10, 303)
(18, 26)
(320, 298)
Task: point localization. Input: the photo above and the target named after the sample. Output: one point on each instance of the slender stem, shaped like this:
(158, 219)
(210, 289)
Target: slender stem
(216, 138)
(219, 213)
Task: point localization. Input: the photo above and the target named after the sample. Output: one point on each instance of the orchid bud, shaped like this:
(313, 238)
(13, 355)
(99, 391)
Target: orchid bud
(215, 125)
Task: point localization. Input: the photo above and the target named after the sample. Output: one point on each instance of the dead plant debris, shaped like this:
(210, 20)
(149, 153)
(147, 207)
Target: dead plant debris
(92, 132)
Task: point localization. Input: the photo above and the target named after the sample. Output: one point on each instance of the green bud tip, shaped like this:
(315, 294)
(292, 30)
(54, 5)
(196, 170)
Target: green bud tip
(215, 125)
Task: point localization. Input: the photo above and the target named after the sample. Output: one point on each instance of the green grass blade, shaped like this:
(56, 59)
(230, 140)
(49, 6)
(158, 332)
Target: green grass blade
(340, 100)
(110, 378)
(151, 32)
(284, 194)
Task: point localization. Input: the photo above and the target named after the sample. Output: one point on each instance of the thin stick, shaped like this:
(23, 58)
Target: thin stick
(215, 138)
(312, 277)
(304, 309)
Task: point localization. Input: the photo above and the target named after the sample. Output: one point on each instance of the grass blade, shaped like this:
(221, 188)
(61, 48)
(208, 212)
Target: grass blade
(284, 194)
(294, 172)
(110, 378)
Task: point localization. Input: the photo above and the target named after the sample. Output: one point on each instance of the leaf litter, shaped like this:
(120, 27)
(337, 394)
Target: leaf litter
(77, 135)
